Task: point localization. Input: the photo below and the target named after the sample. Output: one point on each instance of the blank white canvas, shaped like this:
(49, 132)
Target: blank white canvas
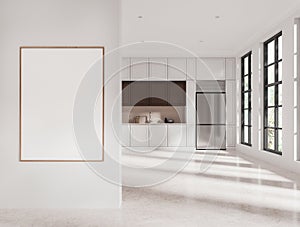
(50, 79)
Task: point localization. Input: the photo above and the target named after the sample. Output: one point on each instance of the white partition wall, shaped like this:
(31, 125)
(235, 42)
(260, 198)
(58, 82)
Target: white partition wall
(55, 185)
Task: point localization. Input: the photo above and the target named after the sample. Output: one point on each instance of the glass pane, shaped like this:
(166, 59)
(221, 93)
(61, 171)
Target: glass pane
(280, 48)
(280, 117)
(280, 71)
(246, 84)
(271, 117)
(245, 100)
(279, 140)
(246, 134)
(271, 74)
(280, 94)
(246, 65)
(246, 117)
(271, 96)
(271, 139)
(271, 52)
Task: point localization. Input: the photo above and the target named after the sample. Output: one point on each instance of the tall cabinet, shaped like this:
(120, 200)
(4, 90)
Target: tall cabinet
(230, 102)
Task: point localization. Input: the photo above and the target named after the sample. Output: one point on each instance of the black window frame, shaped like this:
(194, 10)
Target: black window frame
(276, 105)
(249, 104)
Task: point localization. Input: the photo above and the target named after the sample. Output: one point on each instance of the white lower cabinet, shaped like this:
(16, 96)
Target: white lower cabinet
(230, 136)
(158, 135)
(139, 136)
(177, 135)
(191, 135)
(124, 136)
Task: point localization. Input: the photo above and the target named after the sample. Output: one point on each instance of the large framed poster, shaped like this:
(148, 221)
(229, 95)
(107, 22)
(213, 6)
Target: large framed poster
(51, 78)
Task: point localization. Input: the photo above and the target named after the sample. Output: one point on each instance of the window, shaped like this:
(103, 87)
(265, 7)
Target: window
(273, 94)
(246, 99)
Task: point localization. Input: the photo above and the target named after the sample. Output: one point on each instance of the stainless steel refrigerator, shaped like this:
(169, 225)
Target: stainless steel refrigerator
(211, 115)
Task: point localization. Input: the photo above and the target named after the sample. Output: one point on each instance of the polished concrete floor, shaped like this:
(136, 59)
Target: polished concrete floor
(216, 188)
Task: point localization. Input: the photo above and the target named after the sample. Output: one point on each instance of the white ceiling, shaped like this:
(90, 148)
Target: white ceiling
(185, 23)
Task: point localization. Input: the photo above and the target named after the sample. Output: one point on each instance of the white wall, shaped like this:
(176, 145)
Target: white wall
(53, 22)
(287, 160)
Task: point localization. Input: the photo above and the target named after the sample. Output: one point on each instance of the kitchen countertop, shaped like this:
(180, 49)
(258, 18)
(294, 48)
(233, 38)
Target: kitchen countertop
(155, 123)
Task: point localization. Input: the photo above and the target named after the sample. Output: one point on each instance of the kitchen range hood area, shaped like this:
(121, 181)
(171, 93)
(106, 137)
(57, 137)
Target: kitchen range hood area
(178, 102)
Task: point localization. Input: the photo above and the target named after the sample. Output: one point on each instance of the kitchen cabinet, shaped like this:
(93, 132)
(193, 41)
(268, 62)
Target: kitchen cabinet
(177, 69)
(177, 135)
(231, 102)
(210, 69)
(139, 136)
(140, 93)
(191, 68)
(157, 135)
(191, 135)
(125, 135)
(125, 69)
(230, 136)
(230, 69)
(158, 69)
(139, 69)
(190, 102)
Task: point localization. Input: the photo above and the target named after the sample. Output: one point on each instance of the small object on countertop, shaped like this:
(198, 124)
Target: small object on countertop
(169, 120)
(140, 119)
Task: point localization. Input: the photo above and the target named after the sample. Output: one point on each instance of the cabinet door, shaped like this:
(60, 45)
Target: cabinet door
(126, 93)
(231, 136)
(139, 93)
(210, 69)
(177, 69)
(177, 135)
(159, 93)
(158, 69)
(231, 102)
(177, 93)
(157, 135)
(230, 69)
(139, 136)
(191, 69)
(125, 135)
(125, 70)
(191, 135)
(139, 69)
(191, 102)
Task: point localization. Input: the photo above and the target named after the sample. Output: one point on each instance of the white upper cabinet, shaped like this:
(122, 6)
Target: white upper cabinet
(191, 68)
(231, 102)
(230, 69)
(125, 69)
(210, 69)
(158, 135)
(158, 69)
(139, 68)
(176, 68)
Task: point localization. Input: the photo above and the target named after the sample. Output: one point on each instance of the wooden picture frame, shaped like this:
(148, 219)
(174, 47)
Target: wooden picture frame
(21, 62)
